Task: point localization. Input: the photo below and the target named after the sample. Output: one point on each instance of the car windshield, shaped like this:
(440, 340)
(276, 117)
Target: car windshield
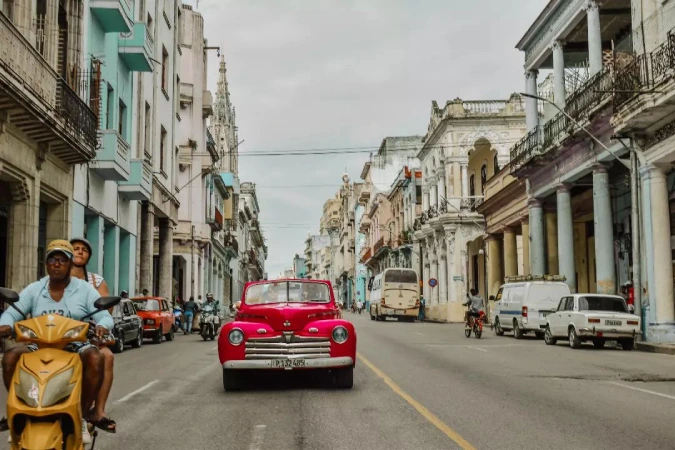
(594, 303)
(287, 291)
(147, 305)
(400, 276)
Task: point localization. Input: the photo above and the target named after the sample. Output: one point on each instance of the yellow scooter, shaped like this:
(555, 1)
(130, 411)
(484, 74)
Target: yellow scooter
(44, 409)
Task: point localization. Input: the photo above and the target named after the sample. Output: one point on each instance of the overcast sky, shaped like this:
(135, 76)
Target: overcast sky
(316, 74)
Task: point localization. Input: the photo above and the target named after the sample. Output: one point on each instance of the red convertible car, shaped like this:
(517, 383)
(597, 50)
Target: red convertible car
(287, 325)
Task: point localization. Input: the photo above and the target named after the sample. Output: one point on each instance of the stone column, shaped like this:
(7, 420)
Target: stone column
(433, 273)
(450, 258)
(559, 73)
(147, 246)
(537, 248)
(566, 237)
(657, 239)
(531, 104)
(415, 257)
(425, 198)
(442, 275)
(442, 196)
(465, 179)
(95, 236)
(551, 242)
(165, 258)
(111, 258)
(604, 233)
(433, 195)
(494, 263)
(510, 253)
(594, 37)
(526, 247)
(426, 269)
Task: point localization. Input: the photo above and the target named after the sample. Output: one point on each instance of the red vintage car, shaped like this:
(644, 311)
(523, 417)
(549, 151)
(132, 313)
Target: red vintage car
(287, 325)
(157, 318)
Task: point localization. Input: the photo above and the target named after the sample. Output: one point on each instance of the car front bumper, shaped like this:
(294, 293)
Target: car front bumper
(266, 364)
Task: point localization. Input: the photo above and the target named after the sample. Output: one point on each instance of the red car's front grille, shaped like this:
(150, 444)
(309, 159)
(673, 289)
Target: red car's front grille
(288, 346)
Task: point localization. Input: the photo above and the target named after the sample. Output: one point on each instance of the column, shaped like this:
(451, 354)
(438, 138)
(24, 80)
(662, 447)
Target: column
(510, 253)
(165, 258)
(537, 249)
(111, 258)
(433, 273)
(566, 261)
(23, 221)
(450, 248)
(442, 196)
(531, 104)
(494, 263)
(415, 257)
(433, 195)
(426, 266)
(604, 232)
(657, 239)
(559, 74)
(147, 246)
(526, 247)
(551, 243)
(594, 37)
(442, 270)
(465, 179)
(425, 198)
(95, 230)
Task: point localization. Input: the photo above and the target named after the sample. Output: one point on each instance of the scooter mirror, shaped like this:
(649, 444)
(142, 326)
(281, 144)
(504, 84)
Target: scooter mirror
(106, 302)
(9, 295)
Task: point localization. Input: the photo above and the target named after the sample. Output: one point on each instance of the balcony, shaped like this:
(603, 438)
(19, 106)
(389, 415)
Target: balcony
(139, 185)
(39, 103)
(112, 158)
(138, 49)
(215, 218)
(207, 105)
(186, 94)
(471, 203)
(366, 254)
(231, 245)
(365, 225)
(113, 15)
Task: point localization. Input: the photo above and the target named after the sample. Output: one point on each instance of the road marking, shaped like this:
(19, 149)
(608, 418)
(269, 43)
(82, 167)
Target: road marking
(646, 391)
(435, 421)
(476, 348)
(137, 391)
(258, 437)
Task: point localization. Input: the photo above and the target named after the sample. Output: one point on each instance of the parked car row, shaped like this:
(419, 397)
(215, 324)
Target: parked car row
(546, 307)
(142, 318)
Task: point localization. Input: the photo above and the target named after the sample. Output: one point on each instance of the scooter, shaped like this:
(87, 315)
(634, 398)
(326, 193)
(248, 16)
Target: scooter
(44, 399)
(177, 313)
(209, 323)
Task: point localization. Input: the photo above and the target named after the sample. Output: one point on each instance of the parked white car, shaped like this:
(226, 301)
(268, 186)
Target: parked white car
(592, 317)
(522, 306)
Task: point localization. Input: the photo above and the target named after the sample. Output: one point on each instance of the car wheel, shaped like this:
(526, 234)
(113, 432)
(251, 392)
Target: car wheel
(499, 331)
(627, 344)
(138, 342)
(599, 343)
(170, 335)
(231, 380)
(548, 337)
(158, 337)
(517, 332)
(575, 342)
(372, 317)
(119, 343)
(344, 377)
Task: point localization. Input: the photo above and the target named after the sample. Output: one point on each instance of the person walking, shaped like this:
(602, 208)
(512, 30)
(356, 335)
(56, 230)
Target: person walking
(422, 306)
(189, 310)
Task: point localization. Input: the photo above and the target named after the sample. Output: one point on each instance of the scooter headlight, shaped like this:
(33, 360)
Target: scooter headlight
(27, 332)
(58, 388)
(28, 389)
(73, 332)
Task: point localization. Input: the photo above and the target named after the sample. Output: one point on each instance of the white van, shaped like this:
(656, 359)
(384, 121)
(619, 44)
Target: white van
(523, 303)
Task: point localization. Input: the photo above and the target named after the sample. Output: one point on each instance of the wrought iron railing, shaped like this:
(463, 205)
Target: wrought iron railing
(471, 203)
(76, 113)
(379, 244)
(630, 80)
(524, 149)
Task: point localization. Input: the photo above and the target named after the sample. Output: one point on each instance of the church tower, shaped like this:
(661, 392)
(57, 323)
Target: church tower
(223, 124)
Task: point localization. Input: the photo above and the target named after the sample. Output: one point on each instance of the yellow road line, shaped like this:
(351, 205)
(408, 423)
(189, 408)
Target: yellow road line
(435, 421)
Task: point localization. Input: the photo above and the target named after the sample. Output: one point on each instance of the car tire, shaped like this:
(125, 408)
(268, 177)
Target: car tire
(158, 337)
(344, 377)
(627, 344)
(372, 317)
(170, 335)
(231, 380)
(599, 343)
(499, 331)
(138, 342)
(517, 332)
(574, 340)
(548, 337)
(119, 343)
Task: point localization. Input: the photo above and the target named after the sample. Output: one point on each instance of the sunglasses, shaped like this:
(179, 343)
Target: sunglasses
(57, 259)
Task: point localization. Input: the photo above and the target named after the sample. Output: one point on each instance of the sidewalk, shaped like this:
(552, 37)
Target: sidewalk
(668, 349)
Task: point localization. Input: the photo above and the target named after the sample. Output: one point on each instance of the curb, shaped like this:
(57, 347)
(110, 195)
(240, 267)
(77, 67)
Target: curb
(656, 348)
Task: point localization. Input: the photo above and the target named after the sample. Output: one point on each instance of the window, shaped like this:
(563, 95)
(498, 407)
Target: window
(162, 147)
(495, 163)
(122, 119)
(400, 276)
(110, 108)
(165, 69)
(593, 303)
(148, 128)
(483, 178)
(472, 186)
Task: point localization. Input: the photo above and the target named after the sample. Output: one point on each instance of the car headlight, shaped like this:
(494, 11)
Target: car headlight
(27, 332)
(73, 332)
(236, 336)
(58, 388)
(340, 334)
(149, 321)
(28, 388)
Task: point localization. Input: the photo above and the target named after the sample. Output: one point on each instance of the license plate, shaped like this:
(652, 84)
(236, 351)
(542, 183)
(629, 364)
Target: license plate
(612, 322)
(400, 311)
(288, 363)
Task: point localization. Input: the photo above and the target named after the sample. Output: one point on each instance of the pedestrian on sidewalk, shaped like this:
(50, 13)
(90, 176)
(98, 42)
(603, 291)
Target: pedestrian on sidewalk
(422, 306)
(189, 310)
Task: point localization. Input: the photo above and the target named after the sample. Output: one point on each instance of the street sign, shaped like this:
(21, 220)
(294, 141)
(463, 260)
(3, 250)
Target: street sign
(433, 282)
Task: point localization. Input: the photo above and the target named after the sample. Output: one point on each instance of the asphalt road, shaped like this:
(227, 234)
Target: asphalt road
(417, 386)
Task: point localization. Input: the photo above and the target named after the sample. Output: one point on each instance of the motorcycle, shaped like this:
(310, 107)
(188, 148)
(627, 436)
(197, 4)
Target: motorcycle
(177, 313)
(44, 399)
(209, 323)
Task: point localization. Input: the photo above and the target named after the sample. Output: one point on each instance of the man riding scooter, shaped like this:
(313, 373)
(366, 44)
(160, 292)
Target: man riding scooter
(212, 307)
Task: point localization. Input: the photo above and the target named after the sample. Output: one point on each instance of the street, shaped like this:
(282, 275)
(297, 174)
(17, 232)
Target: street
(422, 386)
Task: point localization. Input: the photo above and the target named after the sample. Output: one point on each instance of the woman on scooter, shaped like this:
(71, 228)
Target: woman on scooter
(81, 256)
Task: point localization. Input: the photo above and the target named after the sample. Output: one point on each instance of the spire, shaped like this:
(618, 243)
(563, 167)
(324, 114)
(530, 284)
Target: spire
(224, 125)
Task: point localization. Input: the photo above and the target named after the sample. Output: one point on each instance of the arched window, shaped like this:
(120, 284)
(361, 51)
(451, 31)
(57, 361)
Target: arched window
(483, 178)
(472, 186)
(496, 164)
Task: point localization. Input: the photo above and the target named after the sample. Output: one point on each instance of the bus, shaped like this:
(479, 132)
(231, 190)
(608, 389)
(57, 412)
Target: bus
(395, 293)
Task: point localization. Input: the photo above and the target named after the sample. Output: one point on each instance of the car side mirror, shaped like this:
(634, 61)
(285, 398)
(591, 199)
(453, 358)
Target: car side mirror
(492, 298)
(237, 306)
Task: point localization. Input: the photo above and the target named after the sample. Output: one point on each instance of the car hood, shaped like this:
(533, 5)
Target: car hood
(288, 316)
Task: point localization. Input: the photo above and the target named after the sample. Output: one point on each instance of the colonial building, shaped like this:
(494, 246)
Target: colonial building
(466, 143)
(252, 250)
(346, 243)
(109, 188)
(314, 245)
(48, 123)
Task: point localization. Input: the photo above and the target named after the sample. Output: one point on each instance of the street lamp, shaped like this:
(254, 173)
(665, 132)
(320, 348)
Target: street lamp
(635, 219)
